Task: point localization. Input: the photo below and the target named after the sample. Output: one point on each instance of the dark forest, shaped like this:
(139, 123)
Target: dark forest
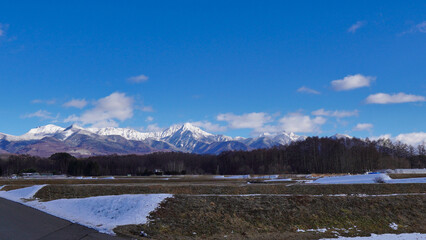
(313, 155)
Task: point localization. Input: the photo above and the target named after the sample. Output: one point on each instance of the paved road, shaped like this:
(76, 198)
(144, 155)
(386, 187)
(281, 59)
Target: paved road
(18, 222)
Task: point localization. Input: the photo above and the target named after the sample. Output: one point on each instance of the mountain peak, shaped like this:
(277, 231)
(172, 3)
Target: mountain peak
(74, 126)
(340, 136)
(190, 127)
(50, 128)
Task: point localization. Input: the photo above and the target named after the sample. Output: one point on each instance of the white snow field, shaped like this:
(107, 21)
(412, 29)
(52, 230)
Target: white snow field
(366, 178)
(388, 236)
(102, 213)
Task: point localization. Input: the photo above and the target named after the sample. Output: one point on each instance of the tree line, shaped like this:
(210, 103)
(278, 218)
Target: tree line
(313, 155)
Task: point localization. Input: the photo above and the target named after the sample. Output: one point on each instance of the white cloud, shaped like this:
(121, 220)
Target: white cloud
(149, 119)
(43, 114)
(107, 110)
(304, 89)
(48, 102)
(384, 98)
(413, 139)
(77, 103)
(138, 79)
(296, 122)
(208, 126)
(356, 26)
(363, 127)
(352, 82)
(272, 129)
(383, 136)
(336, 113)
(248, 120)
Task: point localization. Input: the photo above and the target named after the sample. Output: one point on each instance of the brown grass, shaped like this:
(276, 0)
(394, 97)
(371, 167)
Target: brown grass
(251, 217)
(401, 176)
(14, 187)
(52, 192)
(213, 217)
(121, 180)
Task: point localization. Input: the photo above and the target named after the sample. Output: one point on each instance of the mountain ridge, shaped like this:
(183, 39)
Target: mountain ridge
(80, 141)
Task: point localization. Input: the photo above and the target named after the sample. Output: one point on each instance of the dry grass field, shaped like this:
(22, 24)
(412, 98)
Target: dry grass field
(204, 207)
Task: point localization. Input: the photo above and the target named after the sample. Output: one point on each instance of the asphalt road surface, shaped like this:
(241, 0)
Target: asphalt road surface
(18, 222)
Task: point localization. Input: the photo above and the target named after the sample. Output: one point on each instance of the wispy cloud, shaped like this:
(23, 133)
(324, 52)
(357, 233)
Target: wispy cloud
(208, 126)
(146, 108)
(363, 127)
(352, 82)
(40, 101)
(138, 79)
(354, 27)
(149, 119)
(384, 98)
(106, 111)
(248, 120)
(418, 28)
(421, 27)
(77, 103)
(42, 114)
(336, 113)
(151, 128)
(304, 89)
(261, 122)
(3, 28)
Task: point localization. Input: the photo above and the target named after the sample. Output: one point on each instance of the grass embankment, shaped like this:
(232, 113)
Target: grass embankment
(275, 217)
(119, 180)
(52, 192)
(406, 175)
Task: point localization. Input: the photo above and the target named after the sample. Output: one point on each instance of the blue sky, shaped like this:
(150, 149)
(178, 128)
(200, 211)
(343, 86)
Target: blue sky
(231, 67)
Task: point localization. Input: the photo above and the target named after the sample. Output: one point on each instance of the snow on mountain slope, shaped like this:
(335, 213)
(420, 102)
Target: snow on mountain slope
(286, 138)
(71, 130)
(187, 136)
(196, 132)
(36, 133)
(340, 136)
(267, 140)
(184, 137)
(127, 133)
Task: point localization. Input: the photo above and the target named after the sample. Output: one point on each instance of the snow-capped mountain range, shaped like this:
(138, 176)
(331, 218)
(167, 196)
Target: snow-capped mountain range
(79, 141)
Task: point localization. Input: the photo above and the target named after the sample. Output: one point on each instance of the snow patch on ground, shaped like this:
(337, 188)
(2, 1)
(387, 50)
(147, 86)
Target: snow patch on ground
(102, 213)
(322, 230)
(403, 236)
(23, 193)
(394, 226)
(366, 178)
(278, 180)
